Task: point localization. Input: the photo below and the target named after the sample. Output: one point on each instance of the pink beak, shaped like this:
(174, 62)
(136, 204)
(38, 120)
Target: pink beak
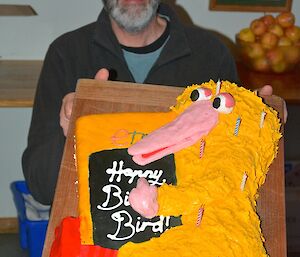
(189, 127)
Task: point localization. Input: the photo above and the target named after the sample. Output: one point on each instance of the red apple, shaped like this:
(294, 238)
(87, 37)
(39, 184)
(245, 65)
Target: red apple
(261, 64)
(258, 27)
(284, 41)
(293, 33)
(279, 67)
(276, 29)
(275, 56)
(269, 40)
(292, 54)
(268, 19)
(246, 35)
(286, 19)
(254, 50)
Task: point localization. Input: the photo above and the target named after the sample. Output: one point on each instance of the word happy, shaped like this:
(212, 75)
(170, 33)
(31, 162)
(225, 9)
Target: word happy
(117, 171)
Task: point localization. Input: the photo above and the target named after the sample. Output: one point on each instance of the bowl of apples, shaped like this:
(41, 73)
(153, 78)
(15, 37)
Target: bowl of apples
(270, 43)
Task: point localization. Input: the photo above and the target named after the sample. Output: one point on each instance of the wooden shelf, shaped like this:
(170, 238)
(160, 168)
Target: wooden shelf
(16, 10)
(18, 81)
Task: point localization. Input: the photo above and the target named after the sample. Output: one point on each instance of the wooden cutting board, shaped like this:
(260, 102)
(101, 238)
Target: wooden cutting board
(106, 97)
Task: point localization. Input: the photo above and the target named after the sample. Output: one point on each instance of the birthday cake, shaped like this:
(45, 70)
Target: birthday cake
(178, 183)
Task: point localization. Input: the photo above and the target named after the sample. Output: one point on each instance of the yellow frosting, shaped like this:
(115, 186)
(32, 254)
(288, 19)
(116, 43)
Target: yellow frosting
(229, 225)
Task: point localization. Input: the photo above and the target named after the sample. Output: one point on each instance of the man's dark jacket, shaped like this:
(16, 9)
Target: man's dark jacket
(191, 55)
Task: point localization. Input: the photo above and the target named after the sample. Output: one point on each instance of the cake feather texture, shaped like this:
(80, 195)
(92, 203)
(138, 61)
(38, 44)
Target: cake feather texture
(216, 186)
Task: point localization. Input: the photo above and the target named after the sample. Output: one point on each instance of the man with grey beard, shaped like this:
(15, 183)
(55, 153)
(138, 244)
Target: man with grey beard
(132, 40)
(132, 18)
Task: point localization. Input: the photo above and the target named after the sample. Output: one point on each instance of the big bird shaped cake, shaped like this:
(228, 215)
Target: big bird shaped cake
(178, 183)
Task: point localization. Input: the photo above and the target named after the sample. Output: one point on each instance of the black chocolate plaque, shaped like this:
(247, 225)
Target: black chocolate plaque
(112, 175)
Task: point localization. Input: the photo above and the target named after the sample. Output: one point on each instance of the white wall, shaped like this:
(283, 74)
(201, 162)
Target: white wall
(29, 37)
(14, 124)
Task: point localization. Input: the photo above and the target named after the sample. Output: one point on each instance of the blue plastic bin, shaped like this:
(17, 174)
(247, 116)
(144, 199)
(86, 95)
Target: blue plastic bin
(31, 233)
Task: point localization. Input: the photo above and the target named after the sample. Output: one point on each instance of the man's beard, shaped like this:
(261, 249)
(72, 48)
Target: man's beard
(132, 18)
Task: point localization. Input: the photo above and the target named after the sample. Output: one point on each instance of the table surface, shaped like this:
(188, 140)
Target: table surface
(18, 80)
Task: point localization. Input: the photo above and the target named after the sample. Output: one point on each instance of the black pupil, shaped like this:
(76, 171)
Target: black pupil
(217, 102)
(194, 95)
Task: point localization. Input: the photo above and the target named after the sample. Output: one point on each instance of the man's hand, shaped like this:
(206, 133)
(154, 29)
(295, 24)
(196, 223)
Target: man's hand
(66, 111)
(267, 90)
(68, 100)
(102, 74)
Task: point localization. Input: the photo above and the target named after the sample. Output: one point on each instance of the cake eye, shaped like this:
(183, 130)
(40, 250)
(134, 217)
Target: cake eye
(224, 103)
(201, 94)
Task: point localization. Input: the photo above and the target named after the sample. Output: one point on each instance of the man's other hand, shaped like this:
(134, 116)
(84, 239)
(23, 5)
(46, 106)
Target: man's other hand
(267, 90)
(68, 100)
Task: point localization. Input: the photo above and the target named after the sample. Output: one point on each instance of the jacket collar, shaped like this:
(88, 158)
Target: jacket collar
(177, 40)
(104, 35)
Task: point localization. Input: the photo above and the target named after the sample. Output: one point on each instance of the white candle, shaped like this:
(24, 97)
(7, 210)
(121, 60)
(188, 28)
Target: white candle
(262, 119)
(218, 87)
(244, 179)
